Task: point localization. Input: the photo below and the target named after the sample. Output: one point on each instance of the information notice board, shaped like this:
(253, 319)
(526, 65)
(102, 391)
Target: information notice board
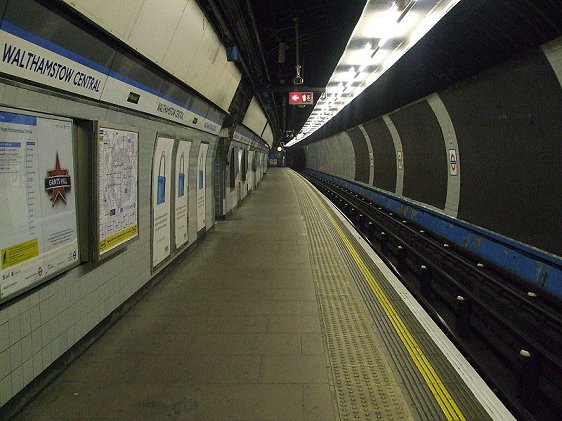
(117, 187)
(38, 228)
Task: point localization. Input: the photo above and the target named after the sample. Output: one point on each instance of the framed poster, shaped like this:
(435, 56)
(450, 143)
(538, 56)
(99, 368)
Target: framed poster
(116, 187)
(161, 199)
(38, 228)
(201, 186)
(182, 193)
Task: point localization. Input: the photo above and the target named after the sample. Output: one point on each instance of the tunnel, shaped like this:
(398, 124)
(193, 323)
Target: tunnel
(280, 210)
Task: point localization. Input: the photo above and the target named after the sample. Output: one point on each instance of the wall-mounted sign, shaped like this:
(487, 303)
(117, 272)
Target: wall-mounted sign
(116, 174)
(301, 98)
(453, 162)
(38, 228)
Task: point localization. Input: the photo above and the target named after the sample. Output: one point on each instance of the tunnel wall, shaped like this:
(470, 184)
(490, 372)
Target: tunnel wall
(40, 326)
(50, 316)
(158, 30)
(486, 151)
(238, 185)
(256, 120)
(334, 155)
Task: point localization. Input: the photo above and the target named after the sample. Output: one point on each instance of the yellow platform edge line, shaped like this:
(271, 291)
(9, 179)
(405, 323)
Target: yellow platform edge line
(436, 386)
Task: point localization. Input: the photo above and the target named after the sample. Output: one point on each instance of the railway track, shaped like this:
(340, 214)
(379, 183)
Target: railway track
(510, 333)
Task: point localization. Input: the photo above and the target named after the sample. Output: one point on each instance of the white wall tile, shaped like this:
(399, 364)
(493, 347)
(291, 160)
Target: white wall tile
(5, 366)
(27, 372)
(52, 305)
(37, 364)
(15, 331)
(13, 311)
(55, 350)
(47, 356)
(3, 316)
(44, 311)
(15, 355)
(63, 342)
(5, 390)
(17, 380)
(59, 301)
(36, 343)
(4, 336)
(25, 304)
(45, 334)
(54, 327)
(25, 323)
(33, 300)
(26, 347)
(35, 317)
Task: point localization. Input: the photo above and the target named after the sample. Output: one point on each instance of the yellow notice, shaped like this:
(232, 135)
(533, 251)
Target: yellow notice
(19, 253)
(116, 239)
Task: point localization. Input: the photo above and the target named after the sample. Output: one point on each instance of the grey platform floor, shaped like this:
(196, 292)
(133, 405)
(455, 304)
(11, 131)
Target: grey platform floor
(234, 332)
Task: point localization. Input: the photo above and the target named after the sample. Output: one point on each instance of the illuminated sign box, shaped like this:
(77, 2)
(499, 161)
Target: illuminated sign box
(301, 98)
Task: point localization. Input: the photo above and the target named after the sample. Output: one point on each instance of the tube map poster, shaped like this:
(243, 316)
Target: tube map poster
(117, 173)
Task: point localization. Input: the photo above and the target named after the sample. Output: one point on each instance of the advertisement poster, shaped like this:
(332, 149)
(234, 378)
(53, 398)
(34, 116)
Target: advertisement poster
(201, 190)
(182, 192)
(251, 170)
(117, 173)
(161, 199)
(38, 233)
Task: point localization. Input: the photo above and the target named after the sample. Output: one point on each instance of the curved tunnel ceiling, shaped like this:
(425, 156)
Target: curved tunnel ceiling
(324, 29)
(474, 36)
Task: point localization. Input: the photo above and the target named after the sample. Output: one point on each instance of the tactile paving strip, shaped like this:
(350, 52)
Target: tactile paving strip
(364, 382)
(426, 408)
(422, 403)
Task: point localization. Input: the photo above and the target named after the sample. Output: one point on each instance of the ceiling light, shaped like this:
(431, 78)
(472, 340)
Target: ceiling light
(394, 30)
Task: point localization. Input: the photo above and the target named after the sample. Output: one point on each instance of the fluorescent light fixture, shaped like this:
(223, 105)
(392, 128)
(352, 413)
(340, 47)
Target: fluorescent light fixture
(381, 37)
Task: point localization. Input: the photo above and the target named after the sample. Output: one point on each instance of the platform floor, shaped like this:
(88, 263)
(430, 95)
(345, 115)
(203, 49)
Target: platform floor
(262, 321)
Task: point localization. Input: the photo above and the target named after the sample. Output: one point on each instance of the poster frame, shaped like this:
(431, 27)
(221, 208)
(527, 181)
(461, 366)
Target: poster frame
(78, 262)
(100, 124)
(187, 162)
(172, 222)
(204, 228)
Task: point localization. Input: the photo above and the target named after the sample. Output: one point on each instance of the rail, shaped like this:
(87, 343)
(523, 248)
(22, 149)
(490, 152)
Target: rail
(511, 334)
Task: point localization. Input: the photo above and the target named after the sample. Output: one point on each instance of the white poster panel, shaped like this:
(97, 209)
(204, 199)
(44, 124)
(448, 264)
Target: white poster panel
(182, 192)
(161, 199)
(251, 170)
(201, 186)
(117, 175)
(38, 233)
